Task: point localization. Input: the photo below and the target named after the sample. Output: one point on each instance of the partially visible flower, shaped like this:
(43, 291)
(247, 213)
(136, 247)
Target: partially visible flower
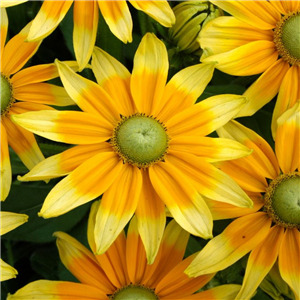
(261, 37)
(122, 273)
(142, 143)
(273, 183)
(86, 15)
(25, 85)
(9, 221)
(191, 16)
(9, 3)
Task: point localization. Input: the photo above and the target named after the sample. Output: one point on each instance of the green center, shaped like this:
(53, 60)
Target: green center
(134, 292)
(140, 140)
(6, 94)
(291, 35)
(283, 200)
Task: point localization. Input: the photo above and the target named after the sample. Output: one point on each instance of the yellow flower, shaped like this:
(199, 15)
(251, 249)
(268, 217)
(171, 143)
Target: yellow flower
(86, 14)
(140, 142)
(273, 183)
(123, 273)
(261, 37)
(26, 86)
(9, 221)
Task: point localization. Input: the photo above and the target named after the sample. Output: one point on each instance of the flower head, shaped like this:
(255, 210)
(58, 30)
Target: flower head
(261, 37)
(123, 273)
(140, 142)
(22, 91)
(273, 231)
(86, 15)
(9, 221)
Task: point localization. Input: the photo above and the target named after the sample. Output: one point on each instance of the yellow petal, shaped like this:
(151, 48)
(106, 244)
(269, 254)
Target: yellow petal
(4, 26)
(7, 271)
(10, 221)
(149, 75)
(260, 14)
(249, 59)
(158, 10)
(289, 260)
(71, 127)
(47, 19)
(117, 16)
(284, 7)
(85, 183)
(239, 238)
(117, 206)
(110, 73)
(151, 218)
(86, 14)
(183, 90)
(9, 3)
(5, 165)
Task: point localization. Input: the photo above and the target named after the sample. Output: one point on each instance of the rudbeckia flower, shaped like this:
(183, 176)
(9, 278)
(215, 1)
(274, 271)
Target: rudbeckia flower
(25, 85)
(86, 14)
(272, 233)
(261, 37)
(9, 221)
(123, 273)
(140, 142)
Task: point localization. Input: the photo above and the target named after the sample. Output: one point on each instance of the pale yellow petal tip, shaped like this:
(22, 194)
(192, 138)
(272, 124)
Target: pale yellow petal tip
(58, 234)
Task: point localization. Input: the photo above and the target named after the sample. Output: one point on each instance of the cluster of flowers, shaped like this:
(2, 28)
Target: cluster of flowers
(144, 144)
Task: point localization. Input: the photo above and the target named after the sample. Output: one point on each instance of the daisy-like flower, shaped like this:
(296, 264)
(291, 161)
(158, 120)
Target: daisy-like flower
(140, 142)
(123, 273)
(273, 232)
(261, 37)
(86, 14)
(9, 221)
(25, 85)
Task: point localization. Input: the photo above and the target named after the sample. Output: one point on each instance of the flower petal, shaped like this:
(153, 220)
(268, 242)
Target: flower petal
(239, 238)
(10, 221)
(287, 142)
(224, 34)
(5, 165)
(149, 75)
(208, 180)
(260, 262)
(264, 89)
(82, 263)
(284, 7)
(4, 26)
(212, 149)
(9, 3)
(182, 199)
(49, 16)
(183, 90)
(63, 163)
(206, 116)
(7, 271)
(151, 218)
(158, 10)
(289, 260)
(17, 52)
(86, 14)
(91, 179)
(71, 127)
(249, 59)
(117, 206)
(289, 93)
(260, 14)
(58, 290)
(118, 18)
(110, 73)
(87, 93)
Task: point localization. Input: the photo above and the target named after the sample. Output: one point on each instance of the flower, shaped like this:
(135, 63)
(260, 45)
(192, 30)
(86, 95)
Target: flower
(273, 232)
(25, 85)
(140, 142)
(261, 37)
(86, 14)
(123, 273)
(9, 221)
